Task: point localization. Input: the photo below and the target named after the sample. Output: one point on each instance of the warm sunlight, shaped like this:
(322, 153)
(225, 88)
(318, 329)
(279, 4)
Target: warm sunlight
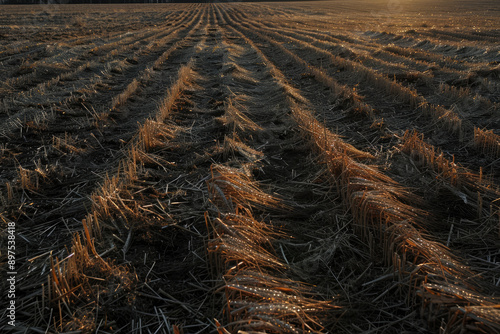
(250, 167)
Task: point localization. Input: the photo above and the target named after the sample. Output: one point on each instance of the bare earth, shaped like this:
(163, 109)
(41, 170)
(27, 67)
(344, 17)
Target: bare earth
(302, 167)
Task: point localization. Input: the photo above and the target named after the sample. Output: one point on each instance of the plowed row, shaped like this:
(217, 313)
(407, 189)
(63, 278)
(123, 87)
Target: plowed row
(251, 168)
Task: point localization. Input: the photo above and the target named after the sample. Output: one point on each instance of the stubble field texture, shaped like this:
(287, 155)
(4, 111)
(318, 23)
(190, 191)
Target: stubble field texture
(301, 167)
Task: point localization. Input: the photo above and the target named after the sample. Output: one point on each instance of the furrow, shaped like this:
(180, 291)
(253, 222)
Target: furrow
(370, 196)
(63, 59)
(448, 118)
(94, 89)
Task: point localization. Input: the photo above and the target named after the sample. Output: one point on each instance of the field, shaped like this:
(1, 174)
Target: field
(299, 167)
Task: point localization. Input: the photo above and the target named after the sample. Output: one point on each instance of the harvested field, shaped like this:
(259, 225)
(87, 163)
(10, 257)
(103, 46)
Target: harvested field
(301, 167)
